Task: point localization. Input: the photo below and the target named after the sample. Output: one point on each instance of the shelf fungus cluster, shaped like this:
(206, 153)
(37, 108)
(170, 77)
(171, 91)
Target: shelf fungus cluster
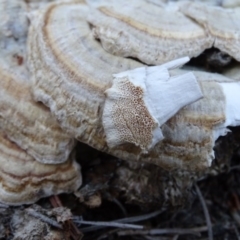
(102, 100)
(80, 70)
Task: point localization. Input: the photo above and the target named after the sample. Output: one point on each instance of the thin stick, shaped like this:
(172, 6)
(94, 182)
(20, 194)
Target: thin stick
(110, 224)
(74, 232)
(176, 237)
(237, 167)
(43, 218)
(158, 232)
(236, 231)
(120, 206)
(123, 220)
(206, 213)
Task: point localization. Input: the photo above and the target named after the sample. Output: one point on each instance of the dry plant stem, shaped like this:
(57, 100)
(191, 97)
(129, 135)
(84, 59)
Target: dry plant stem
(43, 218)
(235, 208)
(110, 224)
(126, 220)
(235, 168)
(119, 204)
(158, 232)
(175, 237)
(74, 232)
(206, 213)
(236, 231)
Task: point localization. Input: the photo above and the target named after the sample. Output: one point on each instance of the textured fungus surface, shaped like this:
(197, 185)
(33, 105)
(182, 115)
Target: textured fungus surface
(24, 180)
(80, 70)
(30, 124)
(221, 24)
(27, 123)
(143, 30)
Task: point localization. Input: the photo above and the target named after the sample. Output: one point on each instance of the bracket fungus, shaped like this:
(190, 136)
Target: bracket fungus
(23, 180)
(150, 33)
(81, 72)
(155, 114)
(74, 87)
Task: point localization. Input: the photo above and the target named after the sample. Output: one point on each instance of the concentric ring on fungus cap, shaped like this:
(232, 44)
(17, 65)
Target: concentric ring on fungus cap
(145, 31)
(25, 122)
(23, 180)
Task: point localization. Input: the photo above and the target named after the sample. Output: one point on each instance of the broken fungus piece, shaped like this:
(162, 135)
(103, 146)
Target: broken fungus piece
(143, 99)
(145, 31)
(23, 180)
(222, 24)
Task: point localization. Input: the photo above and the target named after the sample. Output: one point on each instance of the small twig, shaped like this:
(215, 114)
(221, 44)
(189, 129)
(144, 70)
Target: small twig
(153, 238)
(200, 229)
(176, 237)
(158, 232)
(74, 231)
(236, 231)
(110, 224)
(125, 220)
(107, 234)
(120, 206)
(237, 167)
(236, 217)
(142, 217)
(206, 213)
(43, 218)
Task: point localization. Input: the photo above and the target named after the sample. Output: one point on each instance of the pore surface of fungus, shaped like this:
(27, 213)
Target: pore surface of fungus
(142, 100)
